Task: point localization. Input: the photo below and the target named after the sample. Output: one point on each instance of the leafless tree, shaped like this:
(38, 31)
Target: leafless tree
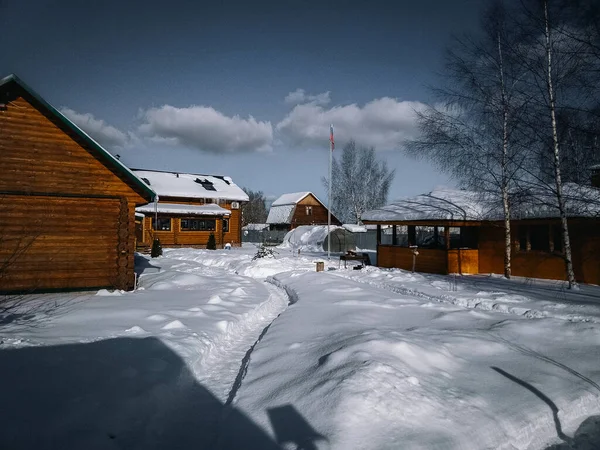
(552, 58)
(360, 182)
(255, 210)
(473, 131)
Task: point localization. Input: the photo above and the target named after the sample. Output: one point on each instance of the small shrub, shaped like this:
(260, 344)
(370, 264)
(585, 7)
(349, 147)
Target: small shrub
(264, 252)
(212, 243)
(156, 248)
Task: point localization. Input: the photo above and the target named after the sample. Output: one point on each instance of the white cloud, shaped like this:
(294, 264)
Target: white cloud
(383, 123)
(206, 129)
(299, 96)
(106, 135)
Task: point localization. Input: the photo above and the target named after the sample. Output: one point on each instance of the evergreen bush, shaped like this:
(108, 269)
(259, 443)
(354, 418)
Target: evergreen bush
(212, 243)
(156, 248)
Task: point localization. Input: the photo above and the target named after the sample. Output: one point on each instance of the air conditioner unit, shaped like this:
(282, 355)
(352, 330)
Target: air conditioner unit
(235, 205)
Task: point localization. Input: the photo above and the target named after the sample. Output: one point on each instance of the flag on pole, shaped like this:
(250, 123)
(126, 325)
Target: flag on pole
(331, 137)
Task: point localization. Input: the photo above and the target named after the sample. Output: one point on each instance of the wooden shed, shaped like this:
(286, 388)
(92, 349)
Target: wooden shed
(189, 208)
(67, 204)
(299, 208)
(455, 231)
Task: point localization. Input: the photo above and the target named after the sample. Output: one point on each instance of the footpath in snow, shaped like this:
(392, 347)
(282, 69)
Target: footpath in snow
(146, 369)
(352, 366)
(208, 354)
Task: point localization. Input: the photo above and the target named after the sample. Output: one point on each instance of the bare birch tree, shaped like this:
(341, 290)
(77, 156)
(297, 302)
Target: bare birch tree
(552, 58)
(473, 132)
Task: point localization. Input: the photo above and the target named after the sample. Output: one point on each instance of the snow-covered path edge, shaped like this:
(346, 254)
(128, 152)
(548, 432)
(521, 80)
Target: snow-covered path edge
(470, 302)
(538, 432)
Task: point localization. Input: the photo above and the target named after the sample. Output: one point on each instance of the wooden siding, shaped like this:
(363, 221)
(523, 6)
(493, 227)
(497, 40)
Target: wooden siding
(179, 238)
(463, 261)
(318, 216)
(73, 214)
(52, 242)
(38, 156)
(585, 243)
(428, 260)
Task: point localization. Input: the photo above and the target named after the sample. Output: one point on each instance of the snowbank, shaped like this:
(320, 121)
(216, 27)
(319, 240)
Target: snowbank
(307, 238)
(381, 371)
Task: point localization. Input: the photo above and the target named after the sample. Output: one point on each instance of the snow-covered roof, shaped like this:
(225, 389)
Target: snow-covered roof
(255, 227)
(354, 228)
(139, 215)
(439, 204)
(175, 208)
(290, 199)
(281, 214)
(461, 205)
(174, 184)
(540, 203)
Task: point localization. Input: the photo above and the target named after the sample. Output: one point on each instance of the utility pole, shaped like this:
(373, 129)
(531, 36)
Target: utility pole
(331, 146)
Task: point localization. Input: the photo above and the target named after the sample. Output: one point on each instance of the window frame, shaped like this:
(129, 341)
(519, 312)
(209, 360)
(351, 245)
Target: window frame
(156, 222)
(225, 224)
(309, 211)
(199, 221)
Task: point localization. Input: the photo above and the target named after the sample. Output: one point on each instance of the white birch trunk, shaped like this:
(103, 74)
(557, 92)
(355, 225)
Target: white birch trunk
(504, 168)
(556, 150)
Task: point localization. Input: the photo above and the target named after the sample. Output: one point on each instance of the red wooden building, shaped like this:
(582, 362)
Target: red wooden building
(300, 208)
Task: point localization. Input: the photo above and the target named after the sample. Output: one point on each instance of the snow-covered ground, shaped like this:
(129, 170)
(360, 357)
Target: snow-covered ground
(217, 350)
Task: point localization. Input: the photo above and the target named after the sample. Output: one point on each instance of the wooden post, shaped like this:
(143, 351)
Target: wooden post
(378, 234)
(394, 235)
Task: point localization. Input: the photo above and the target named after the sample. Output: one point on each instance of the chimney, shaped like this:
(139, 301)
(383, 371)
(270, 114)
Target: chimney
(595, 175)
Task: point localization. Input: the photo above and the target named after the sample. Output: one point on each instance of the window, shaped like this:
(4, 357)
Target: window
(225, 225)
(464, 237)
(164, 224)
(309, 210)
(557, 238)
(540, 238)
(401, 237)
(197, 224)
(429, 237)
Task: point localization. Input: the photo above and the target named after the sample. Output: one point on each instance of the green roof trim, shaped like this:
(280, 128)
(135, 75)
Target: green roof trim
(119, 166)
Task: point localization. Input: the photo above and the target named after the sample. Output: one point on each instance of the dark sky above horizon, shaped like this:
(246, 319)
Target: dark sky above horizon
(245, 89)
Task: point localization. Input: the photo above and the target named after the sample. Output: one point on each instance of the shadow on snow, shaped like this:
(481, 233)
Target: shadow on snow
(124, 393)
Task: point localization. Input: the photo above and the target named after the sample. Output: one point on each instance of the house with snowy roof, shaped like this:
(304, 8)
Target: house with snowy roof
(189, 209)
(299, 208)
(458, 231)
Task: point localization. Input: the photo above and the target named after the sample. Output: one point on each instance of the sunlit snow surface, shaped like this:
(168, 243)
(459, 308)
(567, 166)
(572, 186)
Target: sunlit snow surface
(369, 359)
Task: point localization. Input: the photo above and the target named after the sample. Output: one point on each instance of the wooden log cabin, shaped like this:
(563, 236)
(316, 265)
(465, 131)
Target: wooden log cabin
(300, 208)
(68, 205)
(190, 207)
(455, 231)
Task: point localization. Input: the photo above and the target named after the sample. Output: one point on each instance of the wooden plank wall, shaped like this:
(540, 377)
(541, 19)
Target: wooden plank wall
(585, 242)
(64, 243)
(428, 260)
(37, 156)
(318, 217)
(176, 237)
(82, 245)
(463, 261)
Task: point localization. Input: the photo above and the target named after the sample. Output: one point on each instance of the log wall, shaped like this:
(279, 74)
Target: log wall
(67, 217)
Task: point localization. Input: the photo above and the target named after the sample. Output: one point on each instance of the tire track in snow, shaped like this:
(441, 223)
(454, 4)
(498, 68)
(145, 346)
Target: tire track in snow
(471, 303)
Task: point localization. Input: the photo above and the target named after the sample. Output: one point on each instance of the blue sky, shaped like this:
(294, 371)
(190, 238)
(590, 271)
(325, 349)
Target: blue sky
(245, 89)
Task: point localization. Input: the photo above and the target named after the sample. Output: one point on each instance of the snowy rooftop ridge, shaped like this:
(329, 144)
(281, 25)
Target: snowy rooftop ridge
(462, 205)
(176, 184)
(176, 208)
(290, 199)
(281, 214)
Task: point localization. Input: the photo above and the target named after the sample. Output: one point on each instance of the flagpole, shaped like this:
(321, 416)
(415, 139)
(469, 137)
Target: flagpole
(329, 196)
